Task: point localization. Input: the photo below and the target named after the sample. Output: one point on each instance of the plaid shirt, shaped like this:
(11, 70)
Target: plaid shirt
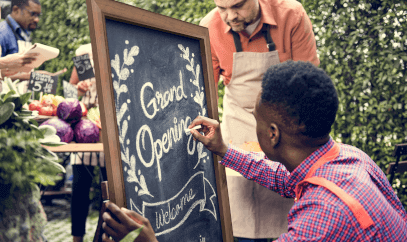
(319, 215)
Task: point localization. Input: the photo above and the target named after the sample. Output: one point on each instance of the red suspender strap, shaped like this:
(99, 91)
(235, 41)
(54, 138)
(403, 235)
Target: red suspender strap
(330, 155)
(357, 209)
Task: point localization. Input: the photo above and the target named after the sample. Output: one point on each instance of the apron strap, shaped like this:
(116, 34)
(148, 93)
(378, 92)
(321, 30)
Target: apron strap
(354, 205)
(266, 33)
(236, 39)
(15, 33)
(269, 40)
(11, 27)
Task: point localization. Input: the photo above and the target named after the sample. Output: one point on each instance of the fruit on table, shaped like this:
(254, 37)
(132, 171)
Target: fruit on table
(47, 105)
(35, 105)
(46, 110)
(51, 99)
(64, 129)
(70, 110)
(94, 116)
(86, 131)
(84, 109)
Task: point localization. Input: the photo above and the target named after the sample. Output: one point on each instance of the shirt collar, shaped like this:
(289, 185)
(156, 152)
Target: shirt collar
(266, 17)
(299, 173)
(23, 34)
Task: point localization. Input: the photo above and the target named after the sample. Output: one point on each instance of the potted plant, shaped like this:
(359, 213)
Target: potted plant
(24, 164)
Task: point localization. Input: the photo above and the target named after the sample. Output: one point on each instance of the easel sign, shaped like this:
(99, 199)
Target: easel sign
(154, 77)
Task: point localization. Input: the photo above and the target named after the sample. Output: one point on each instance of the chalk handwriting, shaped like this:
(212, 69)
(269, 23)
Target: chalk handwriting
(159, 146)
(162, 99)
(170, 214)
(166, 217)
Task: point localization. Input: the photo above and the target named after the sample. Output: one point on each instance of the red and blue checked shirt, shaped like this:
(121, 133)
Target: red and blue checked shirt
(319, 215)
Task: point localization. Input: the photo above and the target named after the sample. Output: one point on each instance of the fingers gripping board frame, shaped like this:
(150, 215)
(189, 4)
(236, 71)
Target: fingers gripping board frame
(154, 76)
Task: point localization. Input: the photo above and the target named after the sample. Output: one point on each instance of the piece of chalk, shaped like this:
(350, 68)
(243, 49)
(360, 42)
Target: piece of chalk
(188, 131)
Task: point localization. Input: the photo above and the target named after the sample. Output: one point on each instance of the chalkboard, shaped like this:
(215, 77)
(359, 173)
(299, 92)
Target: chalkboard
(40, 82)
(83, 67)
(155, 75)
(70, 91)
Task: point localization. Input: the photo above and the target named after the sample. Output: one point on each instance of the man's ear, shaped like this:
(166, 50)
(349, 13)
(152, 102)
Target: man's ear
(15, 9)
(274, 134)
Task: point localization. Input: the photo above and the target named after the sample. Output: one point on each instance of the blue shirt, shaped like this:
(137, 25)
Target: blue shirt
(8, 41)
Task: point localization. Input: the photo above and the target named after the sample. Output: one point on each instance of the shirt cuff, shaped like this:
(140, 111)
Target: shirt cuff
(232, 157)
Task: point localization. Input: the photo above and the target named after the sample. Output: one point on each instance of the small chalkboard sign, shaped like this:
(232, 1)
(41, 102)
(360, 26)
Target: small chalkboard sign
(155, 76)
(70, 91)
(83, 67)
(43, 83)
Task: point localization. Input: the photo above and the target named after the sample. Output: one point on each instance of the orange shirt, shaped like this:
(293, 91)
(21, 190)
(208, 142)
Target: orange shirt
(290, 29)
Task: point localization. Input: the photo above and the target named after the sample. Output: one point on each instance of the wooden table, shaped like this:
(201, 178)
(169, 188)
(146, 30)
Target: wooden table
(77, 147)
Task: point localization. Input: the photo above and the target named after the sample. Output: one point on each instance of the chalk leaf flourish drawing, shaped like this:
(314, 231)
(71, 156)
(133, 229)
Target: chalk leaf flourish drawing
(199, 95)
(123, 73)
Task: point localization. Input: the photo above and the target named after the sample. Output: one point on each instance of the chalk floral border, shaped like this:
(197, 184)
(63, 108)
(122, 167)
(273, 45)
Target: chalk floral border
(199, 94)
(123, 73)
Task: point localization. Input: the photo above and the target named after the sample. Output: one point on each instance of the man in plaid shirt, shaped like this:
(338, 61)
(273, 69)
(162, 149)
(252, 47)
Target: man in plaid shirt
(341, 194)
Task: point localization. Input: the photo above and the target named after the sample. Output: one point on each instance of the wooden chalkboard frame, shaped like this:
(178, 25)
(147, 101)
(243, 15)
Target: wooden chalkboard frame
(98, 12)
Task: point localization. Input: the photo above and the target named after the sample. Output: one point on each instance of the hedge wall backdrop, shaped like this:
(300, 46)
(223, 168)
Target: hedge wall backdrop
(362, 45)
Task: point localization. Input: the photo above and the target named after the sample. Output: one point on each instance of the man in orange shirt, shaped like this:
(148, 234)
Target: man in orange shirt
(247, 37)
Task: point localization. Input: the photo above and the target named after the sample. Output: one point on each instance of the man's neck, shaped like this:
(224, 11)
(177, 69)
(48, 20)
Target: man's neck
(250, 29)
(295, 155)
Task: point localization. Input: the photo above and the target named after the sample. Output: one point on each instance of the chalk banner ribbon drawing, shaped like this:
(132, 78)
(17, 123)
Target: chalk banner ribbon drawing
(172, 213)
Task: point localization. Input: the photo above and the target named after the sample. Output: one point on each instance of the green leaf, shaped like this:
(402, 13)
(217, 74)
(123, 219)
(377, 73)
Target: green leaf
(25, 97)
(6, 110)
(56, 165)
(47, 130)
(130, 237)
(51, 140)
(12, 85)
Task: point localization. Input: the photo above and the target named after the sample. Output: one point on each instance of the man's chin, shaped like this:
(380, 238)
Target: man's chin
(237, 28)
(32, 28)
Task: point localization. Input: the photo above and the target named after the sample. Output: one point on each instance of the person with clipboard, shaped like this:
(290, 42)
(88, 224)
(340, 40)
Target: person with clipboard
(15, 32)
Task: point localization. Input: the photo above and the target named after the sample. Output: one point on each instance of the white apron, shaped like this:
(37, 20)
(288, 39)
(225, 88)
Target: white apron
(256, 211)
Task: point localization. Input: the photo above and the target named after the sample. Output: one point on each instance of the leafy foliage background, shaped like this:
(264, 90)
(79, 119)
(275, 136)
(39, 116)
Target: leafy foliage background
(361, 45)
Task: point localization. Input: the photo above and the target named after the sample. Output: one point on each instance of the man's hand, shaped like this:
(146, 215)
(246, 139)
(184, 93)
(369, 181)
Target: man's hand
(16, 61)
(124, 222)
(83, 86)
(212, 138)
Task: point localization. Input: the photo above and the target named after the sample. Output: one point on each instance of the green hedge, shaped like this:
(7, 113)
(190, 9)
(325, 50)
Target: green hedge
(361, 45)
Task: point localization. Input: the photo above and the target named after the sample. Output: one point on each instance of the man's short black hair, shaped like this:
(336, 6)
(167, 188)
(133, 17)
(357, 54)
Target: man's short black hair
(303, 95)
(22, 3)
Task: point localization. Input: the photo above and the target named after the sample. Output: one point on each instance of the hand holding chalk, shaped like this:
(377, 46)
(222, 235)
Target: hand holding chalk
(210, 135)
(188, 131)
